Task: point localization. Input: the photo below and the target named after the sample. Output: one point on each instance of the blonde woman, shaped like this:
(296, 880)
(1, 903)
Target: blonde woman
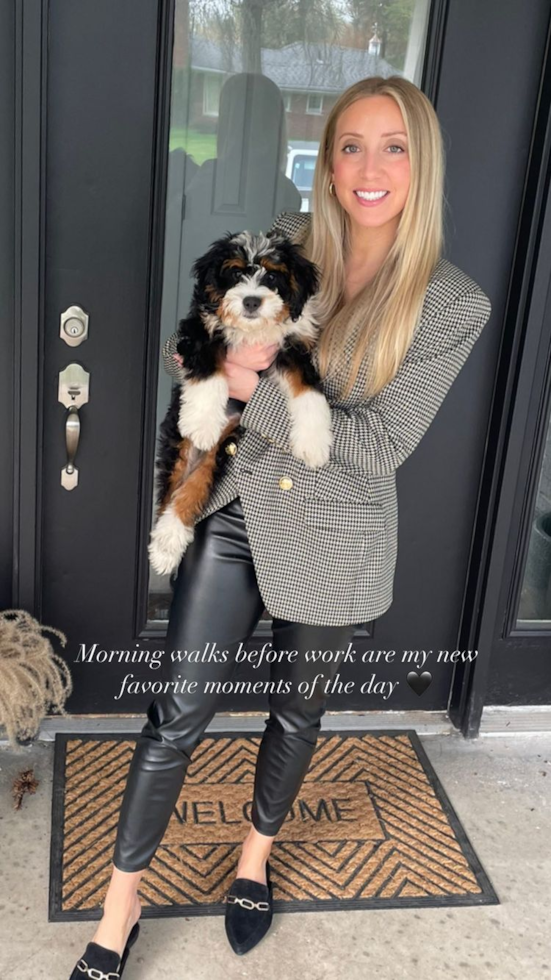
(316, 548)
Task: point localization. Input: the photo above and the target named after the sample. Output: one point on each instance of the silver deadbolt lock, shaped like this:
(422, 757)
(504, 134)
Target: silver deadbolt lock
(73, 392)
(74, 326)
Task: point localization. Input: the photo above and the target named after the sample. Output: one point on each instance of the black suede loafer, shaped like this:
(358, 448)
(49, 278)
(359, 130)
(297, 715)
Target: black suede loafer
(100, 963)
(249, 912)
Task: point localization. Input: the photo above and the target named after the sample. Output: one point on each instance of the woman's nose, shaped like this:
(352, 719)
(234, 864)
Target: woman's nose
(369, 164)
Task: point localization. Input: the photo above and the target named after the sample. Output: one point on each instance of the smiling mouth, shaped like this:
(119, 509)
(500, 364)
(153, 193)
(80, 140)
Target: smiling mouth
(367, 202)
(380, 196)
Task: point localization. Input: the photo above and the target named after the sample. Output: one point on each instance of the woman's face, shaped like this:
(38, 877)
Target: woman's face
(365, 159)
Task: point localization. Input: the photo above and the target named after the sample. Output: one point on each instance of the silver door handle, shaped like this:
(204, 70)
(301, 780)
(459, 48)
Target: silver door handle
(69, 474)
(73, 392)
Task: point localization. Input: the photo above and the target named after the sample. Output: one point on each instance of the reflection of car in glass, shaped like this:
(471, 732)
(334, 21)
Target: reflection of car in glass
(300, 168)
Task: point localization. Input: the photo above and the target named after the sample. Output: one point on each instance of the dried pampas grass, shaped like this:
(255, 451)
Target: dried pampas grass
(33, 678)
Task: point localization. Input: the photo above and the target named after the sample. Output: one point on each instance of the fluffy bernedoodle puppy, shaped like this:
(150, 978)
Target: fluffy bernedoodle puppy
(249, 289)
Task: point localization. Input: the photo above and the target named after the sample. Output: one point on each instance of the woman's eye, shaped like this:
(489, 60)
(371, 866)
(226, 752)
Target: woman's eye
(394, 146)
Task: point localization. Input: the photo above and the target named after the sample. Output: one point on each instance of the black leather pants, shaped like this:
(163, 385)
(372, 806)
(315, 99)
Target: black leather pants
(216, 600)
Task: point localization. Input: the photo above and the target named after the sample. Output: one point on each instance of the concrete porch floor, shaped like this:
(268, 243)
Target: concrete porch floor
(500, 787)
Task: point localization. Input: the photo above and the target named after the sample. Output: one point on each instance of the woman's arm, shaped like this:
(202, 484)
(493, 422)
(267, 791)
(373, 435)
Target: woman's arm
(380, 433)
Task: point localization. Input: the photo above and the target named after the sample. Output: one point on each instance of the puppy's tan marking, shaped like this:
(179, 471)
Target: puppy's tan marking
(191, 496)
(283, 314)
(213, 293)
(295, 382)
(228, 318)
(178, 473)
(272, 266)
(235, 263)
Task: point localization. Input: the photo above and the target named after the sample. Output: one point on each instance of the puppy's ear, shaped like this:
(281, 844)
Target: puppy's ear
(205, 267)
(307, 278)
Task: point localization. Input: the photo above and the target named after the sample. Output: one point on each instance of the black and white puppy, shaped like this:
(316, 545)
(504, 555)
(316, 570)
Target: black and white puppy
(249, 289)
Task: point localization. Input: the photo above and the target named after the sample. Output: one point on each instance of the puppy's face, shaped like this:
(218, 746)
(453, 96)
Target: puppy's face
(252, 281)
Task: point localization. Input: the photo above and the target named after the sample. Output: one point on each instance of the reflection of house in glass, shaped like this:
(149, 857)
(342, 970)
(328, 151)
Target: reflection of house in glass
(310, 77)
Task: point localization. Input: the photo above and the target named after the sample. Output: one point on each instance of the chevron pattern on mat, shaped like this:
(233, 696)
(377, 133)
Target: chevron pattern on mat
(370, 827)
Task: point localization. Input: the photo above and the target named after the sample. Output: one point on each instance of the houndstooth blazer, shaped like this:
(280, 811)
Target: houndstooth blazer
(324, 542)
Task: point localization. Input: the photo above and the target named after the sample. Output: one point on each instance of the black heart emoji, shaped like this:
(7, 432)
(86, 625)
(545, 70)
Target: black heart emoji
(419, 683)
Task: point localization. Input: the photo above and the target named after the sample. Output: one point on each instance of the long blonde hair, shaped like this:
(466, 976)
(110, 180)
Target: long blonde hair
(391, 302)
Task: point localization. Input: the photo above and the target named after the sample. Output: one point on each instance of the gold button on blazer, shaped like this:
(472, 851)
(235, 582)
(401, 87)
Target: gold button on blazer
(325, 553)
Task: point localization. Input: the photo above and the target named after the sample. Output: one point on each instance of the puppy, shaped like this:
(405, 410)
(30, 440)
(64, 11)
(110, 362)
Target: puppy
(249, 289)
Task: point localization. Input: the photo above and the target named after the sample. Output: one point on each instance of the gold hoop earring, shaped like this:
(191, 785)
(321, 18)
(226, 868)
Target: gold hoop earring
(332, 189)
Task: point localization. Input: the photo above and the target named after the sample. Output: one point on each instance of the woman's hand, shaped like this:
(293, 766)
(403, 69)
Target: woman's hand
(241, 381)
(241, 367)
(256, 357)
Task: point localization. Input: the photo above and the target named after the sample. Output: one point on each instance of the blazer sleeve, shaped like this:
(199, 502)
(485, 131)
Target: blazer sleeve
(170, 365)
(378, 434)
(289, 222)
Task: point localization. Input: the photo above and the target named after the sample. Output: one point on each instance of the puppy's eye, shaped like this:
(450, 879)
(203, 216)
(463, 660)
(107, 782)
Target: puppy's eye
(269, 279)
(233, 273)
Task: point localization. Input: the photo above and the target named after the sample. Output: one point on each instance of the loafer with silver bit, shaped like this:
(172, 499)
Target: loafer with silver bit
(249, 912)
(100, 963)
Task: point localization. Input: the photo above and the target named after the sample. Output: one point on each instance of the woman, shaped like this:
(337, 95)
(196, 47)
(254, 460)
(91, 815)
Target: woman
(398, 324)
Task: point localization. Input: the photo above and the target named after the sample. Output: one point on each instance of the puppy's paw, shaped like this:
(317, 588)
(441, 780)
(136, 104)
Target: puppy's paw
(311, 437)
(202, 415)
(169, 540)
(314, 455)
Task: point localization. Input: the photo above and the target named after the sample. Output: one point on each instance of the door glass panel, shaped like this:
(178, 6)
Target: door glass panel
(252, 84)
(535, 598)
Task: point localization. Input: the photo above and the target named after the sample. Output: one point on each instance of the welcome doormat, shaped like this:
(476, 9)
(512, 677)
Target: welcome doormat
(371, 828)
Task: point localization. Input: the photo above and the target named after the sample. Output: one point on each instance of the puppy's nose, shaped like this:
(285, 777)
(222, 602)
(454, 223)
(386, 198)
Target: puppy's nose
(251, 303)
